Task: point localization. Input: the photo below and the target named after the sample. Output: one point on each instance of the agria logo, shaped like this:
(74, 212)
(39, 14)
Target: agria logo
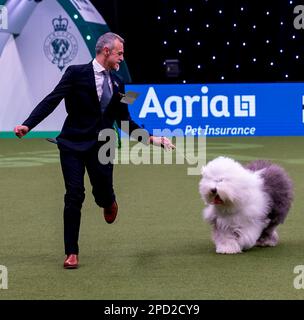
(175, 108)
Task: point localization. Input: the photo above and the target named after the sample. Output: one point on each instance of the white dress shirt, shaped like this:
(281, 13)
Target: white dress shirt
(99, 78)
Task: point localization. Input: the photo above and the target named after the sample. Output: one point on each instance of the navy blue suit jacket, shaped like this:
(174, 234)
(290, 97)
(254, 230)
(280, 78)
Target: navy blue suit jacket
(85, 119)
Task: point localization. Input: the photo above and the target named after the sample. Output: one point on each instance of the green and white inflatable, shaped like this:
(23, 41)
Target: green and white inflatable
(41, 39)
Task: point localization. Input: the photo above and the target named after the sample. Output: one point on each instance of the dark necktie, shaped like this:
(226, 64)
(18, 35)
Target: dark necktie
(106, 92)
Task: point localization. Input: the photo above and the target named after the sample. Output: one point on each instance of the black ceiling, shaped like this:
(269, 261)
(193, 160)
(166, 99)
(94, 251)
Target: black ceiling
(213, 41)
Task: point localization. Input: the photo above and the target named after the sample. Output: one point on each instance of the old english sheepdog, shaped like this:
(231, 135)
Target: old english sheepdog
(245, 204)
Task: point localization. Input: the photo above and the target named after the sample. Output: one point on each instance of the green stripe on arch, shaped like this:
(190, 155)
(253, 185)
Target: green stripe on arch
(94, 30)
(33, 134)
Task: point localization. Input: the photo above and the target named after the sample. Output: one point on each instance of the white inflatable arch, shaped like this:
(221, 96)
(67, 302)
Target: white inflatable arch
(38, 42)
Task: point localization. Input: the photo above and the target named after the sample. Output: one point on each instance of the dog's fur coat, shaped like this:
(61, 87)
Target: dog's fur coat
(245, 204)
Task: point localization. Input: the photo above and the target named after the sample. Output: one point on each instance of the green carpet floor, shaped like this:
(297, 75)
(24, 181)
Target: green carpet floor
(160, 248)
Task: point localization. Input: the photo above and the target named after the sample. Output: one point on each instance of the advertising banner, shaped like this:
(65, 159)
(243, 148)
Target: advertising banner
(263, 109)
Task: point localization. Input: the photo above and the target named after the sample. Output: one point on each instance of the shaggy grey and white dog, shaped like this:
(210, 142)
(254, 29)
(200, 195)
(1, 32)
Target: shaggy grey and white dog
(245, 204)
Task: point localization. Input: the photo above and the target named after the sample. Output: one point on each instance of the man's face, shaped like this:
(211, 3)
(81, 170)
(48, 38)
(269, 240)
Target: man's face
(115, 55)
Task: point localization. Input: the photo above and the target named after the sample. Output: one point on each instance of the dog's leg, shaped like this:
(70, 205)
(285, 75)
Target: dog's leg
(269, 239)
(225, 242)
(269, 236)
(248, 236)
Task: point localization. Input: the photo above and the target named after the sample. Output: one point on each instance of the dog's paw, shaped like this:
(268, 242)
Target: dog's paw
(268, 241)
(228, 249)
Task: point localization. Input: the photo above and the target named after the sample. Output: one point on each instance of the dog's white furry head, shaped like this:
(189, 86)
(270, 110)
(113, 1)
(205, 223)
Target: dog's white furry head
(226, 182)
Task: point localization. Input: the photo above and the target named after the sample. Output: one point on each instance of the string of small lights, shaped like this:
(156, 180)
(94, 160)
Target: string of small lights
(230, 41)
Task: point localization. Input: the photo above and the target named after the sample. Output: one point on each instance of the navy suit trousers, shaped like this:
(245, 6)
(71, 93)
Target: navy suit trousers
(74, 164)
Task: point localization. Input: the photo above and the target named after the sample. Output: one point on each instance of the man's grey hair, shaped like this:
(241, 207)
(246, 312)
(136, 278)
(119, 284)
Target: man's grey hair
(107, 40)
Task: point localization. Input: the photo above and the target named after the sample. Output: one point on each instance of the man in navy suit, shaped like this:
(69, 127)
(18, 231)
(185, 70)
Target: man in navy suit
(92, 98)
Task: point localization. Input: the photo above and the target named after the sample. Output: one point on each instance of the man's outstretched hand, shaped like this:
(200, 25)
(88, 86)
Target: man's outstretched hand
(21, 131)
(162, 142)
